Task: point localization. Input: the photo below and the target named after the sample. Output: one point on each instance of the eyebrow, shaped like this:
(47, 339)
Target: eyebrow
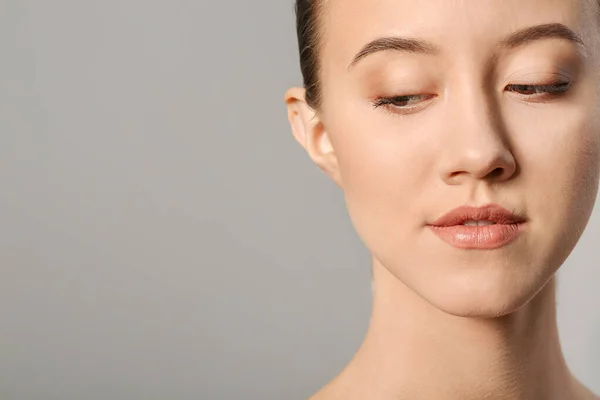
(515, 39)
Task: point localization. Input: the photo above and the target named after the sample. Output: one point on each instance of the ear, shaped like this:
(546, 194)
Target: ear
(308, 130)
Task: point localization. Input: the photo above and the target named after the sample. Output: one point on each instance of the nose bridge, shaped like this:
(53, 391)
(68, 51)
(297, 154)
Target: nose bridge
(477, 116)
(478, 147)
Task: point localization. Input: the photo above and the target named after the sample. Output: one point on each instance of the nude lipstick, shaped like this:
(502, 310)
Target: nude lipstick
(485, 228)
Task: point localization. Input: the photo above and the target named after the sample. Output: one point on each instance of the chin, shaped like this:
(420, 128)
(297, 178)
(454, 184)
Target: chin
(484, 294)
(485, 286)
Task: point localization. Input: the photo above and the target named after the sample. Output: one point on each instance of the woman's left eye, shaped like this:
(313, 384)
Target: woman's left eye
(550, 89)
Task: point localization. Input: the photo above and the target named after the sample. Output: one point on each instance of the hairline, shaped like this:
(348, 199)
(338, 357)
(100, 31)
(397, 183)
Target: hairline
(318, 26)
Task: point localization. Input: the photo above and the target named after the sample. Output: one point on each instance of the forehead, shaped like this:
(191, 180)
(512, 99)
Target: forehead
(459, 26)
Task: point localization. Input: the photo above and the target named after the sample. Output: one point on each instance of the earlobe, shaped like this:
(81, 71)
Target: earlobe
(309, 131)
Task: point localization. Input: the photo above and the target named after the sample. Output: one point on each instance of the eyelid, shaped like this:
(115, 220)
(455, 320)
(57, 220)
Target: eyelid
(386, 104)
(383, 101)
(537, 78)
(557, 87)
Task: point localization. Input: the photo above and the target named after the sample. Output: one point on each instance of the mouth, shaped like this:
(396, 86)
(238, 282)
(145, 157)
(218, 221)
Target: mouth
(478, 216)
(483, 228)
(478, 223)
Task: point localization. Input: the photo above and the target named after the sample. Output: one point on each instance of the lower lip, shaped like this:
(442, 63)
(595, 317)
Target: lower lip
(485, 237)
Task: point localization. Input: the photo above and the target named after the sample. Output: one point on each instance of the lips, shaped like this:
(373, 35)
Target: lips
(492, 212)
(484, 228)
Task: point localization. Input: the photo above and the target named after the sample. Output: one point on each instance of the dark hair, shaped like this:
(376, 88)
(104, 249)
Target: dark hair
(307, 21)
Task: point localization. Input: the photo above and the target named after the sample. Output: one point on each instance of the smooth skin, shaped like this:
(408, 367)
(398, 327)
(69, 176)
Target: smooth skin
(449, 323)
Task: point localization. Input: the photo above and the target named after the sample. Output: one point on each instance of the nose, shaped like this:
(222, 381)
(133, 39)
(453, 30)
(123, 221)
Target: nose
(477, 146)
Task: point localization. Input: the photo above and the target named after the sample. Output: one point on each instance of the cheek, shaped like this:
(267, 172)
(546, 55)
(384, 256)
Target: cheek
(560, 160)
(560, 164)
(384, 173)
(575, 179)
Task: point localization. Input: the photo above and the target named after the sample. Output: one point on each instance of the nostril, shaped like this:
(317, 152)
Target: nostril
(496, 173)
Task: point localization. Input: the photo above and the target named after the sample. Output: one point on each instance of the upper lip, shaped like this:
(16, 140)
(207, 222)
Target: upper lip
(491, 212)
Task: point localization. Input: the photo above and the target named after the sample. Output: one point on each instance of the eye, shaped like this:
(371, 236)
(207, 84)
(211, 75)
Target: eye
(550, 90)
(401, 103)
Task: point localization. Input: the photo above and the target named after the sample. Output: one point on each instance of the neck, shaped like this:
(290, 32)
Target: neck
(415, 351)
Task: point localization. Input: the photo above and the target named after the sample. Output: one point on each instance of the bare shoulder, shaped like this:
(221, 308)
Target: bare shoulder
(329, 393)
(593, 396)
(587, 394)
(335, 390)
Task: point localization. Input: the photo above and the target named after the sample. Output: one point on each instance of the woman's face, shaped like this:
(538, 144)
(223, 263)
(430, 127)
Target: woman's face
(479, 127)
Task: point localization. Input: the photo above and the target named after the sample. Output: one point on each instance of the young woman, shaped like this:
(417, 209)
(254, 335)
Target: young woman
(465, 136)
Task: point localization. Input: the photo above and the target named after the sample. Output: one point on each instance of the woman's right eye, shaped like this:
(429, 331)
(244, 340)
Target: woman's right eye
(400, 102)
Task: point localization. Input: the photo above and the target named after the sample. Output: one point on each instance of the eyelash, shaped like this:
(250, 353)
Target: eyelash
(549, 91)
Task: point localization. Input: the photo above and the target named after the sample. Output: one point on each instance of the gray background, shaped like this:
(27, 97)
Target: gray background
(161, 234)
